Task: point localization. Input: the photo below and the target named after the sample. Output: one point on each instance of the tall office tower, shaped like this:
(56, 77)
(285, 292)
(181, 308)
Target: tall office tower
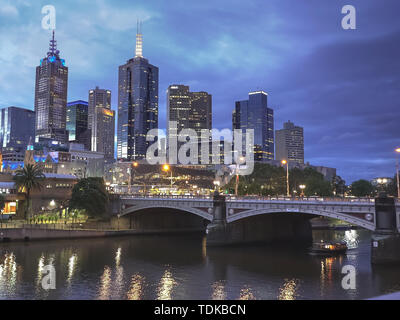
(51, 96)
(17, 126)
(289, 143)
(102, 123)
(190, 110)
(255, 114)
(137, 104)
(77, 123)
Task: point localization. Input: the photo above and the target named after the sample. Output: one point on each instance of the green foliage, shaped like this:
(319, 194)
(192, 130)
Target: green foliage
(27, 179)
(268, 180)
(362, 188)
(90, 195)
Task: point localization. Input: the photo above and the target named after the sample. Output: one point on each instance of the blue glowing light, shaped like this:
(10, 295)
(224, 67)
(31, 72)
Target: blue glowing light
(63, 62)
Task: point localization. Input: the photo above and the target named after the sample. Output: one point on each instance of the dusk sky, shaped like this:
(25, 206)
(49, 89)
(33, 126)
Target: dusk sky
(342, 86)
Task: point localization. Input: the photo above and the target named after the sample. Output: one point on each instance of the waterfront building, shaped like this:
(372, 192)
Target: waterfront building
(51, 96)
(102, 123)
(17, 126)
(289, 143)
(77, 123)
(255, 114)
(137, 104)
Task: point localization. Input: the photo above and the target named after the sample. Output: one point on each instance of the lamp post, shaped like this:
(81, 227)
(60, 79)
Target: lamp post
(302, 187)
(240, 160)
(397, 172)
(167, 168)
(287, 177)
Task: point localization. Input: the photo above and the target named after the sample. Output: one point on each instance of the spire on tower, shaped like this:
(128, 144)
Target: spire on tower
(139, 40)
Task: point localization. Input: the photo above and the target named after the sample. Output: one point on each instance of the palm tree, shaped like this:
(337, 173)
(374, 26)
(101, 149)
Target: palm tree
(28, 179)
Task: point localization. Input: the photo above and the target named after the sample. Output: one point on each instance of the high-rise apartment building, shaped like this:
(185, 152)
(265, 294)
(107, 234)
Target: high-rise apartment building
(102, 123)
(17, 126)
(77, 123)
(137, 104)
(51, 96)
(255, 114)
(289, 143)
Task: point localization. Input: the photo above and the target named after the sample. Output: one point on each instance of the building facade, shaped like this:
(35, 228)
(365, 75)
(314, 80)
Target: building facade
(51, 96)
(289, 143)
(255, 114)
(191, 110)
(77, 123)
(137, 104)
(102, 123)
(17, 126)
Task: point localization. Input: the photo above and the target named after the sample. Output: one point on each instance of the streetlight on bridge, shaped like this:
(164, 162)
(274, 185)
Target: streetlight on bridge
(302, 187)
(287, 177)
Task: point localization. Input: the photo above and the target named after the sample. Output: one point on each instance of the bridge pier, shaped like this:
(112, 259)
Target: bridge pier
(385, 240)
(268, 228)
(217, 230)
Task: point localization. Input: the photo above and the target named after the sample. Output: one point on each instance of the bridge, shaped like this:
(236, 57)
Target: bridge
(357, 211)
(237, 220)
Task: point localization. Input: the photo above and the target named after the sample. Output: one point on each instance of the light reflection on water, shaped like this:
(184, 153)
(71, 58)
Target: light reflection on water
(182, 268)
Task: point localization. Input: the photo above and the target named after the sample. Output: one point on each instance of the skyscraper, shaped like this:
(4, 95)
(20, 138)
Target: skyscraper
(191, 110)
(137, 104)
(289, 143)
(17, 126)
(102, 122)
(255, 114)
(77, 123)
(51, 96)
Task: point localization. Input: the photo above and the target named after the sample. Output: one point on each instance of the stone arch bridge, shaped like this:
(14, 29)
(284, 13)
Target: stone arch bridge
(357, 211)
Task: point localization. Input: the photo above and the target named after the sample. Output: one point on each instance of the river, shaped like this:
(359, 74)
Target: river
(181, 267)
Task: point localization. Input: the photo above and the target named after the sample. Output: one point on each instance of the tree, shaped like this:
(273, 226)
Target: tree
(27, 179)
(90, 195)
(339, 186)
(362, 188)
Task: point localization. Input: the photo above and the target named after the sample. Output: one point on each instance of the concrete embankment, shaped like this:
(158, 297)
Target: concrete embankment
(28, 234)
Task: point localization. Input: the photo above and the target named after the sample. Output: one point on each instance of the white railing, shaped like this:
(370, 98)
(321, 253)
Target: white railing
(254, 198)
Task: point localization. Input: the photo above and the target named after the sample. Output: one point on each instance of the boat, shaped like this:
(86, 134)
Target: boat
(329, 248)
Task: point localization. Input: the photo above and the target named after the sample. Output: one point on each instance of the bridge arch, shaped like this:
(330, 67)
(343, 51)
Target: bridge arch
(331, 214)
(141, 207)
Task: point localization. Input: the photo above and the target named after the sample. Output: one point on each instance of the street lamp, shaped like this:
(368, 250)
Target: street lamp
(302, 187)
(240, 160)
(167, 168)
(397, 172)
(287, 177)
(216, 184)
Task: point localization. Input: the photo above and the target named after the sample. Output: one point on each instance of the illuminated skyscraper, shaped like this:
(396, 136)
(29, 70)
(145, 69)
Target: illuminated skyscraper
(255, 114)
(190, 110)
(289, 143)
(102, 122)
(137, 104)
(51, 96)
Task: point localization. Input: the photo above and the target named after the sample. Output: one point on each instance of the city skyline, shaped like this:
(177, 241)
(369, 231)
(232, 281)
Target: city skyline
(345, 144)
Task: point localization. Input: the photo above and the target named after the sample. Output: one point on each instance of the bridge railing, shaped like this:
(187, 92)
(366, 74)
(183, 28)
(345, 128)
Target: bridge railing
(252, 198)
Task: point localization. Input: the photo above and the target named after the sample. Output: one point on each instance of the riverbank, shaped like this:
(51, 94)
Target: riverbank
(34, 233)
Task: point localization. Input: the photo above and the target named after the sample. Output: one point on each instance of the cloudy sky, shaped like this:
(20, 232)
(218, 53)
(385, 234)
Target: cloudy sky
(342, 86)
